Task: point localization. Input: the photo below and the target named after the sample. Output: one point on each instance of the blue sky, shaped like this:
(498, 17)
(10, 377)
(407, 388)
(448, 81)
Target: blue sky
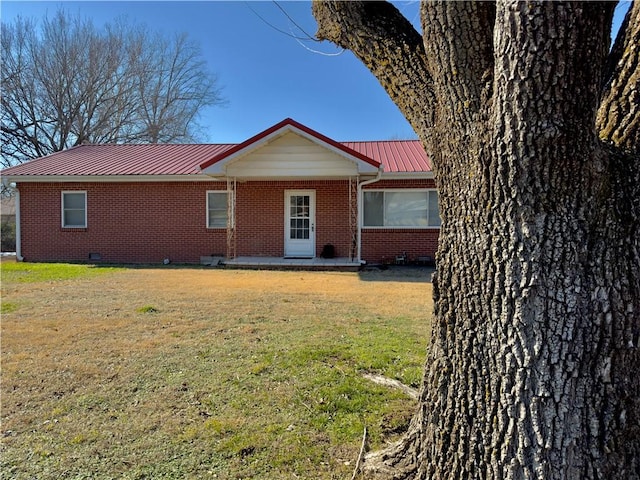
(266, 75)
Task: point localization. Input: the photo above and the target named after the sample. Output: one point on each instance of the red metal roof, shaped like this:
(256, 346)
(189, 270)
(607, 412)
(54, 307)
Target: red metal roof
(397, 156)
(147, 159)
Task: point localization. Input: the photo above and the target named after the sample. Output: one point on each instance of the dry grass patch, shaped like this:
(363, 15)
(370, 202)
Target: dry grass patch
(203, 373)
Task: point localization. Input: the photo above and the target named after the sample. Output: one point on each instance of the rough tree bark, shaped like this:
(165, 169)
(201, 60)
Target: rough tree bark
(532, 367)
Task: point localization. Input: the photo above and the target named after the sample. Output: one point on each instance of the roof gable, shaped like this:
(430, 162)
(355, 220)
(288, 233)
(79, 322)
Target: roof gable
(317, 155)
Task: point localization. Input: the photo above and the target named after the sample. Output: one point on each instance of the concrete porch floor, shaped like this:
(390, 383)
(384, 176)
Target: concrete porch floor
(290, 263)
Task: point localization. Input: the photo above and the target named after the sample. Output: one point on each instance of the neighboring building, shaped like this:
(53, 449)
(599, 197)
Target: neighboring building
(289, 191)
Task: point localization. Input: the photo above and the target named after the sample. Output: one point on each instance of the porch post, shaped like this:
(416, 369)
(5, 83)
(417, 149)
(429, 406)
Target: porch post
(353, 216)
(231, 217)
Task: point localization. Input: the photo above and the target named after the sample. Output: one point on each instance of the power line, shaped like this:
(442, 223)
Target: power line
(273, 26)
(319, 52)
(310, 37)
(297, 38)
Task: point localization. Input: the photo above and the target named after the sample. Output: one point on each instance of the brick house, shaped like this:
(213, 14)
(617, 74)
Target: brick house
(287, 192)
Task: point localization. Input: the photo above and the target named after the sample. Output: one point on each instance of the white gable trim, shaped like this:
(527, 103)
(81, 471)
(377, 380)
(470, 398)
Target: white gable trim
(223, 167)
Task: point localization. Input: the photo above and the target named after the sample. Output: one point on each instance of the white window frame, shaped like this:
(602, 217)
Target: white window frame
(63, 209)
(225, 192)
(398, 227)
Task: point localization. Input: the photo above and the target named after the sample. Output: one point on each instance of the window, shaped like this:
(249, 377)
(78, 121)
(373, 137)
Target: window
(74, 209)
(217, 209)
(401, 208)
(299, 216)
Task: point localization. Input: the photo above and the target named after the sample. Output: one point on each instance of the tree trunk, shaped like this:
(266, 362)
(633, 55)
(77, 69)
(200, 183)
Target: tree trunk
(531, 368)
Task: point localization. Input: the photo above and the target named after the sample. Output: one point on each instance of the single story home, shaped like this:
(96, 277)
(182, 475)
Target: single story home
(287, 192)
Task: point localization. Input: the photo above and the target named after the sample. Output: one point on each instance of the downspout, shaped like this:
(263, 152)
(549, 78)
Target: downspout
(359, 200)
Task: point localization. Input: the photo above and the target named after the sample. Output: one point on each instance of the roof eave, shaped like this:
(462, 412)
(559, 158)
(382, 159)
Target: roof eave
(407, 175)
(104, 178)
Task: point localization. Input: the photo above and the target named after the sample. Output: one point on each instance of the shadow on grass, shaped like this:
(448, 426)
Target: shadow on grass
(394, 273)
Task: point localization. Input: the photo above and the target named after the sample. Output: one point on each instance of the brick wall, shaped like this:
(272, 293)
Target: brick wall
(147, 222)
(126, 222)
(260, 216)
(382, 245)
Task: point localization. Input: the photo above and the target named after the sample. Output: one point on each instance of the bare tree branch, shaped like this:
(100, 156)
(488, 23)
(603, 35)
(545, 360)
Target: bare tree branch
(66, 83)
(618, 119)
(389, 46)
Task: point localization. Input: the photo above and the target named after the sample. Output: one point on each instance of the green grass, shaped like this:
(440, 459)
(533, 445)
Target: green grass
(147, 309)
(7, 307)
(21, 272)
(234, 374)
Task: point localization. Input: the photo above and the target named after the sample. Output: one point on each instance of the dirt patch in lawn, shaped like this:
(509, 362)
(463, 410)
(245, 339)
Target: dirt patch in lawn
(196, 372)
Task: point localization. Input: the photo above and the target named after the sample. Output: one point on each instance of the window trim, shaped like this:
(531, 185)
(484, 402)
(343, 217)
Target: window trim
(226, 192)
(397, 227)
(63, 209)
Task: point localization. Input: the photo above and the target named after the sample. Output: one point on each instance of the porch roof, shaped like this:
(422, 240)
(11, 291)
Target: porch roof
(289, 149)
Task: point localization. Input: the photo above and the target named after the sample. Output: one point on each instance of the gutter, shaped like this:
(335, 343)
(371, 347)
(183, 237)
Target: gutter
(360, 185)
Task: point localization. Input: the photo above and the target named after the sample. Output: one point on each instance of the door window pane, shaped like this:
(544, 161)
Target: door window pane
(299, 228)
(299, 206)
(299, 211)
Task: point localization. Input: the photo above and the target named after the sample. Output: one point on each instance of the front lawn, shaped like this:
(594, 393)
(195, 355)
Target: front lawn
(203, 373)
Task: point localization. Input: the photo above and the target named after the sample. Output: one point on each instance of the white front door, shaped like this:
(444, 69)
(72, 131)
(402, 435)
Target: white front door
(299, 223)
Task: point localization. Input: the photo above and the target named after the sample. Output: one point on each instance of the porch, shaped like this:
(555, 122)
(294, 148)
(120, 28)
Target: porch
(283, 263)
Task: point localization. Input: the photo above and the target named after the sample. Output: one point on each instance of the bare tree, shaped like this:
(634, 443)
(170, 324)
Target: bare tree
(175, 89)
(532, 124)
(65, 82)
